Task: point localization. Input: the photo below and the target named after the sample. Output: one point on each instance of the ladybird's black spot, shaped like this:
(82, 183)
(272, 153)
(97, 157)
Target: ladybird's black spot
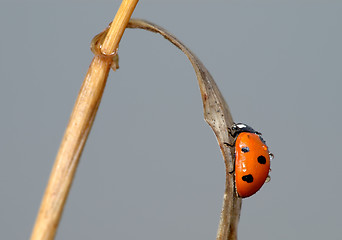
(245, 149)
(248, 178)
(261, 160)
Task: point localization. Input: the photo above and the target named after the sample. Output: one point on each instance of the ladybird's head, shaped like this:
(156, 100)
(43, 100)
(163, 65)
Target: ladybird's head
(241, 127)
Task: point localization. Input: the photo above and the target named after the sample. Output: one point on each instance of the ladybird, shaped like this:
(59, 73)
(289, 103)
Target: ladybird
(252, 160)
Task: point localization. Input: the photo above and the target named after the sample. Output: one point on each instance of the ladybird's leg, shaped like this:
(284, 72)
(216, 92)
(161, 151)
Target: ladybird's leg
(228, 145)
(271, 155)
(231, 132)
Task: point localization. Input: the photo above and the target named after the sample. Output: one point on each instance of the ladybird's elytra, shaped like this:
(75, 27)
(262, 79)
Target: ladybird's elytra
(252, 160)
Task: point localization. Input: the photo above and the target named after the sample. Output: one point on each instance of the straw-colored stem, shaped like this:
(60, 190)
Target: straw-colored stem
(77, 130)
(118, 26)
(70, 151)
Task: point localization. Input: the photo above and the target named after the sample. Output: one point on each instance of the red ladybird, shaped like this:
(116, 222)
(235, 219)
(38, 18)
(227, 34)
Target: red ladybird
(252, 160)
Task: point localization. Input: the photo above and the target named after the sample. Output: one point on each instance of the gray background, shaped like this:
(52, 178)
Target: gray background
(151, 168)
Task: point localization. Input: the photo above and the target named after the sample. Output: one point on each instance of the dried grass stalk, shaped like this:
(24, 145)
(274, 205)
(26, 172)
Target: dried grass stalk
(78, 128)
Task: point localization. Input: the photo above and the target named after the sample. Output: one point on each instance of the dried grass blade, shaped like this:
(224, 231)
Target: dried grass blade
(218, 116)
